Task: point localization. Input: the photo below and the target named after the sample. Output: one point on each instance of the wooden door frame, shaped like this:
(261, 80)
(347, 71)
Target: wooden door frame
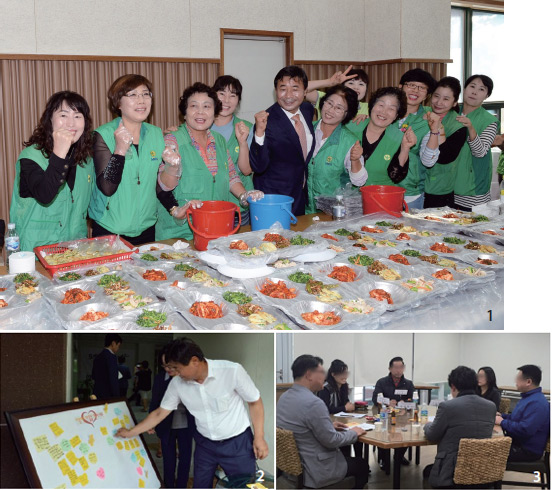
(288, 37)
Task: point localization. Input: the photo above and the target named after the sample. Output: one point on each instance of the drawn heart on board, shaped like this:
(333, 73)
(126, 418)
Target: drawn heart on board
(89, 417)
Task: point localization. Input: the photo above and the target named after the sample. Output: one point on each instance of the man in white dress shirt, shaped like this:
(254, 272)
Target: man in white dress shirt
(214, 392)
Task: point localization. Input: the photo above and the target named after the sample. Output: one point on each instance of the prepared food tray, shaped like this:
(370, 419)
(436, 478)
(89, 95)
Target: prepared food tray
(66, 256)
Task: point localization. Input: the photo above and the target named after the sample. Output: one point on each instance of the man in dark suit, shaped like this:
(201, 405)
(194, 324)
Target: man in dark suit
(104, 370)
(178, 427)
(467, 415)
(284, 140)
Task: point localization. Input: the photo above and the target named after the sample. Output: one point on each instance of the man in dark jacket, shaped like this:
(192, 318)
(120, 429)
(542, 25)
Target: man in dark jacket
(467, 415)
(529, 424)
(284, 140)
(104, 369)
(395, 387)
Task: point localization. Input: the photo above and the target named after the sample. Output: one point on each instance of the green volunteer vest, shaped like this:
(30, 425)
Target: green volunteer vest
(415, 179)
(234, 150)
(133, 207)
(326, 171)
(440, 178)
(475, 174)
(62, 219)
(378, 162)
(196, 183)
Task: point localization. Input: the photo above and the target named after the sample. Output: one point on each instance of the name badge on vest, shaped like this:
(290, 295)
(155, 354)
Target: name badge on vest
(329, 160)
(401, 392)
(387, 157)
(237, 149)
(153, 157)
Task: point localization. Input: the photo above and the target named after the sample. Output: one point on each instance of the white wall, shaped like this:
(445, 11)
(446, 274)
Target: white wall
(346, 30)
(435, 355)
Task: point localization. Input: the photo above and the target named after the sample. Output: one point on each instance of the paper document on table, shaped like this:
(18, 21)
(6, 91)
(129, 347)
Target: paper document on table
(363, 426)
(353, 415)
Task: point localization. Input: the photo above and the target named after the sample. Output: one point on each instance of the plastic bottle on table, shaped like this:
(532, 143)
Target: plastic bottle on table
(12, 242)
(383, 417)
(424, 412)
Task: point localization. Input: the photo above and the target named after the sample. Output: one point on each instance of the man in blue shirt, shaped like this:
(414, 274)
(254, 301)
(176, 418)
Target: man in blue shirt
(529, 424)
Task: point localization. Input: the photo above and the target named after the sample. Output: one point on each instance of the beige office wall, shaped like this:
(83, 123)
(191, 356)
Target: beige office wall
(506, 352)
(435, 356)
(366, 354)
(348, 30)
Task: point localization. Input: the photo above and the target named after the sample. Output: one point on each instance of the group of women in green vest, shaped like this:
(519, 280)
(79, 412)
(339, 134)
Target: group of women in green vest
(439, 153)
(127, 175)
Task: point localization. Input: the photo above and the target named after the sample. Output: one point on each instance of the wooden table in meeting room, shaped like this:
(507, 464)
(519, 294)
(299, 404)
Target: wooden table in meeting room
(399, 435)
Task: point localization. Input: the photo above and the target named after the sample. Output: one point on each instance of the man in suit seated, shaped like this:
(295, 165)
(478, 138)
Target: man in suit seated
(284, 140)
(529, 424)
(318, 439)
(467, 415)
(104, 369)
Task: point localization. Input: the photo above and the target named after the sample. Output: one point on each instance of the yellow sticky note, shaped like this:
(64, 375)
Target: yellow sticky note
(55, 452)
(41, 443)
(103, 430)
(137, 453)
(142, 462)
(105, 408)
(56, 429)
(126, 419)
(63, 485)
(75, 441)
(115, 421)
(64, 467)
(141, 483)
(83, 479)
(91, 440)
(73, 478)
(119, 445)
(83, 463)
(72, 458)
(127, 446)
(93, 458)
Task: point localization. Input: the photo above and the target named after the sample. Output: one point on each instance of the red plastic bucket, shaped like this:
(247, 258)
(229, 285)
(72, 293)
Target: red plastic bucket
(212, 220)
(383, 198)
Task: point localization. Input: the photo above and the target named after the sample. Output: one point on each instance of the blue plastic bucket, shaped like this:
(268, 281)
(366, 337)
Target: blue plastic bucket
(270, 209)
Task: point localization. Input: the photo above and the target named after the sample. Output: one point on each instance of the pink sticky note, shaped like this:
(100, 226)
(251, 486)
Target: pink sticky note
(100, 473)
(139, 470)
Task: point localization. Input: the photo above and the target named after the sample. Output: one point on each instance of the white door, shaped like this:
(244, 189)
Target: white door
(254, 61)
(284, 357)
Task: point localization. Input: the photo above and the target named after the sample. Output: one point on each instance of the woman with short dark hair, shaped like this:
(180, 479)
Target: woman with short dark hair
(128, 153)
(473, 180)
(207, 165)
(486, 386)
(385, 147)
(54, 175)
(337, 157)
(448, 135)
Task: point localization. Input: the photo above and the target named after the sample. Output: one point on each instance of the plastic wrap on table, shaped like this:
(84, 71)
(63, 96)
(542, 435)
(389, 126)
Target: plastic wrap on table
(493, 232)
(157, 284)
(201, 276)
(166, 256)
(27, 291)
(351, 198)
(93, 247)
(38, 315)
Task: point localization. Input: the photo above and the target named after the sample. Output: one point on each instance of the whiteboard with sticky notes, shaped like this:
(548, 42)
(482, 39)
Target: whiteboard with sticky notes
(74, 446)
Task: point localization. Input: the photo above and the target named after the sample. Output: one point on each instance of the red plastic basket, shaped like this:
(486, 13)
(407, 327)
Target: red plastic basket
(56, 248)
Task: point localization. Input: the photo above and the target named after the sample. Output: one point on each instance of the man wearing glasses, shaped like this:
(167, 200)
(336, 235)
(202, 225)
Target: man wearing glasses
(318, 439)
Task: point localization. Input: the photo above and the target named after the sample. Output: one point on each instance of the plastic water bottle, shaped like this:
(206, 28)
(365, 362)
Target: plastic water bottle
(12, 242)
(415, 399)
(424, 413)
(383, 417)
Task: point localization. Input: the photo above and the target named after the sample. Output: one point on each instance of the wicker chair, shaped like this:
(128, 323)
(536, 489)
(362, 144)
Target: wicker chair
(504, 406)
(481, 461)
(542, 466)
(288, 461)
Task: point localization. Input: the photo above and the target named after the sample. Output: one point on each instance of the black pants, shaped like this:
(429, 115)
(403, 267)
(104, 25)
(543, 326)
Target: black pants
(385, 454)
(358, 468)
(518, 454)
(347, 450)
(435, 201)
(147, 236)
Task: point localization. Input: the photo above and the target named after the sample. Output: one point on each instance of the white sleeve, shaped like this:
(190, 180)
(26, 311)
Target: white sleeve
(428, 156)
(244, 385)
(171, 399)
(357, 178)
(259, 139)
